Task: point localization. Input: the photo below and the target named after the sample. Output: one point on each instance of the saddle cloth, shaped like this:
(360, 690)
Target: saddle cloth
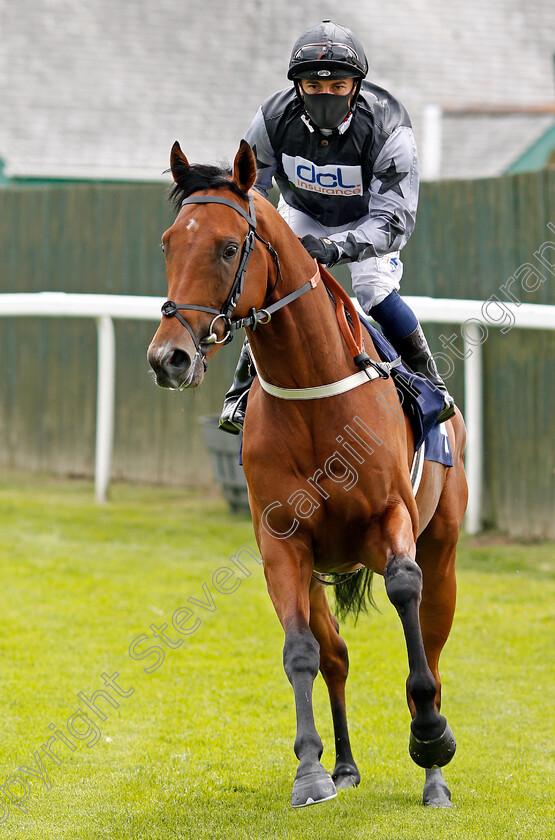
(422, 403)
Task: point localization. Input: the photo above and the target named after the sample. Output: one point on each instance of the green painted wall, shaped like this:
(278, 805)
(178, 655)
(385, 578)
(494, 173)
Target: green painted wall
(104, 239)
(471, 240)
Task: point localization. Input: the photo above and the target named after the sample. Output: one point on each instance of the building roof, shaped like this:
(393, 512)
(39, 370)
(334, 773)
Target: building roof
(102, 88)
(480, 145)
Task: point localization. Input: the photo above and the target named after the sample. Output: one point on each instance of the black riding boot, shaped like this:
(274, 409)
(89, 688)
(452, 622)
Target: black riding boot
(235, 401)
(415, 351)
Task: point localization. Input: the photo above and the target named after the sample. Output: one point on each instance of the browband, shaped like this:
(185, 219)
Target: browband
(216, 199)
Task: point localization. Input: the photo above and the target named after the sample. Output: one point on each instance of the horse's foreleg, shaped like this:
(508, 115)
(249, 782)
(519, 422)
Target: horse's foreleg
(288, 579)
(431, 742)
(334, 665)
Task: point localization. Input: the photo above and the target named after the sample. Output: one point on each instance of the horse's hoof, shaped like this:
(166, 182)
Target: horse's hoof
(345, 776)
(313, 788)
(436, 753)
(436, 793)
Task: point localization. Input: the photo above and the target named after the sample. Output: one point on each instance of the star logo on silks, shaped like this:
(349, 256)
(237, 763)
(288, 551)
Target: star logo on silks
(391, 179)
(393, 227)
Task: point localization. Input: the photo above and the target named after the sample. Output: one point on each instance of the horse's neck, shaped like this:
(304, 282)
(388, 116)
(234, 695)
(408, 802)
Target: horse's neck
(302, 345)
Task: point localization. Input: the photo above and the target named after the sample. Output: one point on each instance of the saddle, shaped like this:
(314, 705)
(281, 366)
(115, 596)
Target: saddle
(422, 403)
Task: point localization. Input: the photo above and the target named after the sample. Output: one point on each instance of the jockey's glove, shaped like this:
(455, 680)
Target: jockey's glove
(323, 250)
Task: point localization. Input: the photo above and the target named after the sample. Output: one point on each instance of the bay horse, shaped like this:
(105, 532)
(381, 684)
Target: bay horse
(317, 507)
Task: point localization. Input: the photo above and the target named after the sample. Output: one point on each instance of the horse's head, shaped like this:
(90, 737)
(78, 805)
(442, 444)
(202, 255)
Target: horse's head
(207, 250)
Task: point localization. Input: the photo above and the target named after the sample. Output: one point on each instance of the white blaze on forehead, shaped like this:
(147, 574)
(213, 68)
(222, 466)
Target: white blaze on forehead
(192, 224)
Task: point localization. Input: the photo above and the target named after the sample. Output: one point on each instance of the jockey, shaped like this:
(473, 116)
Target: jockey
(343, 154)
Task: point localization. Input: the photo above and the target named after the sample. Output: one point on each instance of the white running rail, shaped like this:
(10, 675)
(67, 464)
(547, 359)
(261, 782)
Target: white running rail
(104, 308)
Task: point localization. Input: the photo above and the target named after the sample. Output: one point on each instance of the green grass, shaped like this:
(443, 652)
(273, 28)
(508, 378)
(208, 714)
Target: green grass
(203, 748)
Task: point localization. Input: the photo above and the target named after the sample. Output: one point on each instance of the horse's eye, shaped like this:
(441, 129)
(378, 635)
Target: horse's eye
(230, 252)
(162, 248)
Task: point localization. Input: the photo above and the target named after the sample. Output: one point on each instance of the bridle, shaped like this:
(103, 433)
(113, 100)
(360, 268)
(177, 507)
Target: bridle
(352, 332)
(256, 316)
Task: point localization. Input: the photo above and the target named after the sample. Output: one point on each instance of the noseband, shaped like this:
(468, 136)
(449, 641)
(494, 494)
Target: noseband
(256, 316)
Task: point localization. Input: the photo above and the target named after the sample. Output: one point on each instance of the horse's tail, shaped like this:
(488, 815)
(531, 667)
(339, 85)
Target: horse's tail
(354, 595)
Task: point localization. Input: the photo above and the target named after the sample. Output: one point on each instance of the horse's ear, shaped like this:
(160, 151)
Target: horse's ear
(177, 158)
(244, 167)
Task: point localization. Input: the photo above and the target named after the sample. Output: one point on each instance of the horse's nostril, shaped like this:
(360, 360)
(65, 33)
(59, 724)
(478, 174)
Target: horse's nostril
(180, 359)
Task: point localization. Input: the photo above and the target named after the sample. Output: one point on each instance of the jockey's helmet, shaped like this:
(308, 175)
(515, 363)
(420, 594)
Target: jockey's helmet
(327, 51)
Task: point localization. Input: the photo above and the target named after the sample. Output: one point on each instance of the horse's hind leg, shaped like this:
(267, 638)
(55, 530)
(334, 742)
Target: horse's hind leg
(334, 666)
(431, 742)
(436, 617)
(435, 553)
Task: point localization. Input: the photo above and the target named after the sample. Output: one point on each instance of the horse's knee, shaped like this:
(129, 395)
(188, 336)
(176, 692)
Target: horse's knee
(301, 654)
(403, 581)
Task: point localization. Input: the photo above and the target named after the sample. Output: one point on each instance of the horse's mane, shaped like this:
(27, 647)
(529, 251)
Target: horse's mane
(191, 179)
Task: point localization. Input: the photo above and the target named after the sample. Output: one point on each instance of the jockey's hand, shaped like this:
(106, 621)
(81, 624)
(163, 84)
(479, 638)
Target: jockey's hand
(323, 250)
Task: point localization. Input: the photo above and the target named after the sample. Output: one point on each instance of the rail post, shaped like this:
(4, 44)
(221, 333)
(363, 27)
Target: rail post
(105, 395)
(474, 418)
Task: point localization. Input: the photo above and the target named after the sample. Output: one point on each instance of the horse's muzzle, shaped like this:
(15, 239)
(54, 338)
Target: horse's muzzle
(174, 368)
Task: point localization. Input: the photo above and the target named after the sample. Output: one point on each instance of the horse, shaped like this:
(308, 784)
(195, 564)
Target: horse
(327, 462)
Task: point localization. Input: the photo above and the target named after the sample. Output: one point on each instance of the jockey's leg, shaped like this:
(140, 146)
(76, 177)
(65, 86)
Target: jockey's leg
(235, 401)
(376, 282)
(415, 351)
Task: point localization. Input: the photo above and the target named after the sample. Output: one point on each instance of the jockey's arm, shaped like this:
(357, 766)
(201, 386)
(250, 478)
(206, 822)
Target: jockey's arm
(266, 163)
(393, 201)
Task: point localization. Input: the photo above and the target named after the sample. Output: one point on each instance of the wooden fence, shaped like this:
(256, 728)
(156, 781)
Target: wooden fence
(471, 239)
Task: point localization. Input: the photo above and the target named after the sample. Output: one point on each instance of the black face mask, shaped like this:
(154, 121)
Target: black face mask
(327, 110)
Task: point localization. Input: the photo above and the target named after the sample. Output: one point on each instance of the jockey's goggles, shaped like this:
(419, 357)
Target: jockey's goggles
(330, 51)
